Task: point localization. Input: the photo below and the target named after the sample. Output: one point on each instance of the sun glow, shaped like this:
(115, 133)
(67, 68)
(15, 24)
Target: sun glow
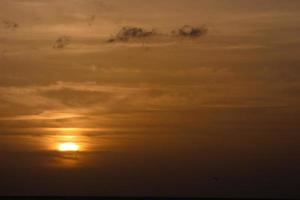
(68, 146)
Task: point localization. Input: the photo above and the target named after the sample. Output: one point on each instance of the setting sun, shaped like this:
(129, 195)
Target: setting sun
(70, 146)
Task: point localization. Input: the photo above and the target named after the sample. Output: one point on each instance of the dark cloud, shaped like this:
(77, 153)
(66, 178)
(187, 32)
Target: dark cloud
(11, 25)
(190, 31)
(62, 42)
(131, 33)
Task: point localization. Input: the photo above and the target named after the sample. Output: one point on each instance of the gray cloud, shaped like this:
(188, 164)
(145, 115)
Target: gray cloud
(130, 33)
(190, 31)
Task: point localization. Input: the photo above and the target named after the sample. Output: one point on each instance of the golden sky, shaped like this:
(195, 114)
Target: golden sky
(193, 76)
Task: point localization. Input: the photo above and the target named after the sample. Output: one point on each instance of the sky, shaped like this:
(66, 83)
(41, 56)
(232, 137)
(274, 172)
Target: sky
(183, 98)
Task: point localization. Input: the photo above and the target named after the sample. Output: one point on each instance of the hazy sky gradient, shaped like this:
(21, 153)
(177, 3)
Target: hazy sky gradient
(163, 115)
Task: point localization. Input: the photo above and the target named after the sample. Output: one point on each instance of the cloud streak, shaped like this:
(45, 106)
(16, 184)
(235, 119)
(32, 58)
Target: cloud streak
(128, 33)
(139, 34)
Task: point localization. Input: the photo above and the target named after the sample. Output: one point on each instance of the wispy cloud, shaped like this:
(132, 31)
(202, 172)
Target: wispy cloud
(46, 115)
(62, 42)
(11, 25)
(190, 31)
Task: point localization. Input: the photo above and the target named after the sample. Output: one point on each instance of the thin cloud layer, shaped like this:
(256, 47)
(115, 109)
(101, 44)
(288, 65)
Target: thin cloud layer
(163, 80)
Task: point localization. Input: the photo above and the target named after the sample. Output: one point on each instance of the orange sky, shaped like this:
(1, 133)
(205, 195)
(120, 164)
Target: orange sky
(231, 90)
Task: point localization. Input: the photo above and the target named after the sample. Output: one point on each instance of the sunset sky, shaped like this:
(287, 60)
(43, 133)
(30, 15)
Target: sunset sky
(181, 98)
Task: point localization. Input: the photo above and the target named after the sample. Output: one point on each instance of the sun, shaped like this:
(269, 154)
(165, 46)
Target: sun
(68, 146)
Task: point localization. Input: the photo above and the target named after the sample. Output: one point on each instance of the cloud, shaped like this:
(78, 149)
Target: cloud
(128, 33)
(47, 115)
(188, 31)
(11, 25)
(62, 42)
(69, 97)
(136, 34)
